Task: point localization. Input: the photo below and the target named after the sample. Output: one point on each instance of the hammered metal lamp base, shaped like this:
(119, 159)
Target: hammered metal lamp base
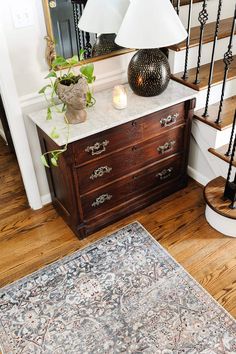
(149, 72)
(105, 44)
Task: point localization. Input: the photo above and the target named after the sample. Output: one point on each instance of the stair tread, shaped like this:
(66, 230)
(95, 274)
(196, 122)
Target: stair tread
(213, 194)
(208, 36)
(220, 152)
(227, 115)
(218, 75)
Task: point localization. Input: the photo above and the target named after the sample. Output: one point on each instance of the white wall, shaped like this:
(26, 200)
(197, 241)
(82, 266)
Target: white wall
(27, 56)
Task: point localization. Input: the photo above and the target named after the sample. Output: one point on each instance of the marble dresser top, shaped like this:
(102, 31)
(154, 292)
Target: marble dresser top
(103, 116)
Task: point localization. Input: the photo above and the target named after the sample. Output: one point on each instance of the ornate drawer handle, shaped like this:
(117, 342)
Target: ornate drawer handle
(97, 148)
(170, 120)
(166, 173)
(101, 171)
(102, 199)
(166, 147)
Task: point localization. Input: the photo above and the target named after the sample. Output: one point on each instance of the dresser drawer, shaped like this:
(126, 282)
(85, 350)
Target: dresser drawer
(133, 132)
(101, 144)
(107, 197)
(113, 166)
(162, 121)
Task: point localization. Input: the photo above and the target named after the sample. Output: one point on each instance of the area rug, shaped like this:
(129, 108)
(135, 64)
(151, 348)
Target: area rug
(122, 294)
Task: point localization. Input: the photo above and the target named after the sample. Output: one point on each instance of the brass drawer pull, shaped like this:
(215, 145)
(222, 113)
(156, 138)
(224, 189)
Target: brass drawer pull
(102, 199)
(166, 147)
(101, 171)
(97, 148)
(170, 120)
(166, 173)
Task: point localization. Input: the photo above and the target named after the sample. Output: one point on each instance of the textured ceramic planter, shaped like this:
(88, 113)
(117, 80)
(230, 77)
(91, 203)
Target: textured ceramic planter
(74, 96)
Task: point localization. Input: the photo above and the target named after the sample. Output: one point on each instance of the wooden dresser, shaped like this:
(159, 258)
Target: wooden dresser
(108, 175)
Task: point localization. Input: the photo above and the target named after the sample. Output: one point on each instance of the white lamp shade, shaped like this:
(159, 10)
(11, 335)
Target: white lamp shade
(103, 16)
(150, 24)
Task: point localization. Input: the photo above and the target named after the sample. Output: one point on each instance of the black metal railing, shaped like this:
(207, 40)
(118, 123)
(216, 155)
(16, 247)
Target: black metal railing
(230, 185)
(203, 18)
(228, 59)
(205, 114)
(83, 39)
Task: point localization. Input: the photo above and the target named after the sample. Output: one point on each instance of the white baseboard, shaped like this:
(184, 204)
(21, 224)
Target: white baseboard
(46, 199)
(203, 180)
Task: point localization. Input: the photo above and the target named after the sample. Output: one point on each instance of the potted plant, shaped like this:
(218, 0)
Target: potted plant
(73, 91)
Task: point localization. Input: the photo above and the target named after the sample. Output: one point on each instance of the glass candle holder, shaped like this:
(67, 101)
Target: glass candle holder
(119, 98)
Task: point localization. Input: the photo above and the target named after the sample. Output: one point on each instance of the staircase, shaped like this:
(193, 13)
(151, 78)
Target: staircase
(206, 62)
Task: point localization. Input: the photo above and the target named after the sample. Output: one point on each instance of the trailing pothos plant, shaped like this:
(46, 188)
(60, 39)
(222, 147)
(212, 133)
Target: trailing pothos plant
(58, 75)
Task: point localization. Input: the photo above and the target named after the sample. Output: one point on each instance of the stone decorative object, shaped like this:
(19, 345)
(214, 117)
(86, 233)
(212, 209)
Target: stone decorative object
(74, 96)
(122, 294)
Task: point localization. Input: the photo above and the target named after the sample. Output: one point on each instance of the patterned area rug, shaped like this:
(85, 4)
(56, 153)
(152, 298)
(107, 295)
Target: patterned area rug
(123, 294)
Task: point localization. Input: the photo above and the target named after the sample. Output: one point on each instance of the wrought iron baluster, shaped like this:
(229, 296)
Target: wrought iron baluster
(202, 18)
(88, 46)
(178, 7)
(205, 114)
(228, 58)
(230, 187)
(185, 75)
(80, 10)
(76, 20)
(232, 136)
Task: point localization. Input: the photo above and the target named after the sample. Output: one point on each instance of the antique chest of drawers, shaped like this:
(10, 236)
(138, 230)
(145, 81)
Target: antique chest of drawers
(117, 171)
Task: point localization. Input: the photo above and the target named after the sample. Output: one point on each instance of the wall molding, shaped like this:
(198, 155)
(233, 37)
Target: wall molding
(46, 199)
(197, 176)
(103, 81)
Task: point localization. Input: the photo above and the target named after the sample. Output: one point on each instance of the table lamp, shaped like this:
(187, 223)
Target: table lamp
(103, 17)
(149, 25)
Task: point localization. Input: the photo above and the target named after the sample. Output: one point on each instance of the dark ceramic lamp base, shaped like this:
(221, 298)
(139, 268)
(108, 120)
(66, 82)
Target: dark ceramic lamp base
(105, 44)
(149, 72)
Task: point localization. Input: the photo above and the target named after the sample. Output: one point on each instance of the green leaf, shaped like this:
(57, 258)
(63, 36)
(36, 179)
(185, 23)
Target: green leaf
(54, 161)
(59, 61)
(51, 74)
(63, 108)
(88, 96)
(87, 72)
(73, 61)
(54, 134)
(44, 161)
(81, 54)
(44, 89)
(49, 114)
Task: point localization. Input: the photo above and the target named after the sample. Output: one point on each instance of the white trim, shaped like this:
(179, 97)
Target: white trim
(46, 199)
(101, 81)
(220, 223)
(203, 180)
(2, 134)
(16, 124)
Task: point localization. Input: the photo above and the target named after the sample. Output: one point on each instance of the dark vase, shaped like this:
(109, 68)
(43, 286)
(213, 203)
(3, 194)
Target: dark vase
(149, 72)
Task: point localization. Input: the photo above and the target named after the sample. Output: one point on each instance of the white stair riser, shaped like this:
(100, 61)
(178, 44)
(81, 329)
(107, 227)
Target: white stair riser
(227, 11)
(177, 59)
(207, 165)
(220, 223)
(215, 94)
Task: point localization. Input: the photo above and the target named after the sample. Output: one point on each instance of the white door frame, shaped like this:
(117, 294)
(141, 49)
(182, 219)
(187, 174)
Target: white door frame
(16, 124)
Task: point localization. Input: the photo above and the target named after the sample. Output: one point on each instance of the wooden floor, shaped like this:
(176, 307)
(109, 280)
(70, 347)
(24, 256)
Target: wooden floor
(31, 239)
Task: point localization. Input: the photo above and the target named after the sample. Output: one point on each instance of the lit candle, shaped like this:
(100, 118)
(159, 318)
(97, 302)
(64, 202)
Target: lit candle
(119, 97)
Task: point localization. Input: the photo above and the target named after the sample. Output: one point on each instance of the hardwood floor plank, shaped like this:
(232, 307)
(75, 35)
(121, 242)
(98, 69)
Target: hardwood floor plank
(31, 239)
